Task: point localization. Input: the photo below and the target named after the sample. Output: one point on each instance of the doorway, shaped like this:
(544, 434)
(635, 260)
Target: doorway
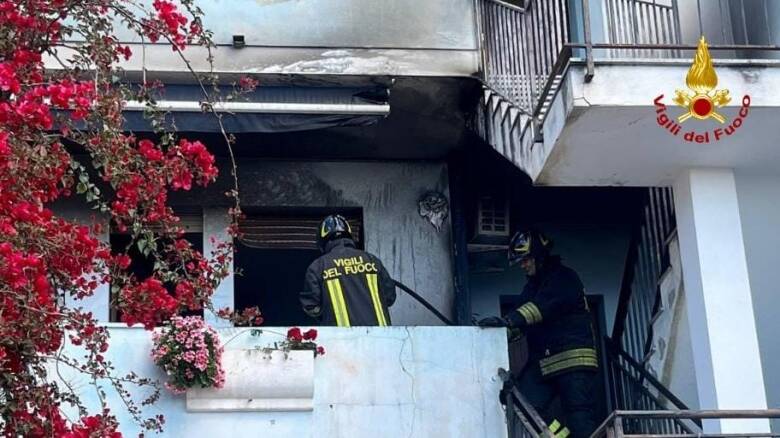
(272, 255)
(518, 351)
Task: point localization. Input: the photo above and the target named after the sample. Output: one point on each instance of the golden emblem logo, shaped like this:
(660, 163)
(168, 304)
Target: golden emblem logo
(701, 101)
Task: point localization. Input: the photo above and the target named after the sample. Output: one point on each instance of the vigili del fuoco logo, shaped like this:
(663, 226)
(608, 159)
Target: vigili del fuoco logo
(702, 100)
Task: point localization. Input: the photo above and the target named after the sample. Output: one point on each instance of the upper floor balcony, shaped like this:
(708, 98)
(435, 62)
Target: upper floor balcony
(321, 37)
(583, 92)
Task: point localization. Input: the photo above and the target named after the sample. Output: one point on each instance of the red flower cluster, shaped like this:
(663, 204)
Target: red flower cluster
(148, 303)
(297, 340)
(170, 23)
(94, 426)
(47, 261)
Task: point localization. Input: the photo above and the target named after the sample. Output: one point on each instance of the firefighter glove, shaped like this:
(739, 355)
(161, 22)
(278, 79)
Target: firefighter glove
(493, 321)
(515, 320)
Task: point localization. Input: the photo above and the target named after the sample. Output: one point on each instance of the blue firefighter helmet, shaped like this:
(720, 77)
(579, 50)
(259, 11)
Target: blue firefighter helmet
(333, 227)
(529, 243)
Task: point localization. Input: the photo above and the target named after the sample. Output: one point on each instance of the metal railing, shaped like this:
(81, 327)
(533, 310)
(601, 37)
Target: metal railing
(615, 426)
(646, 261)
(526, 50)
(642, 22)
(520, 47)
(632, 388)
(521, 418)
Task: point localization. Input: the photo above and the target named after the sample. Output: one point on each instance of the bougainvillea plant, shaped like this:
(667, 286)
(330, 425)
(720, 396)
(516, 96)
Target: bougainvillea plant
(62, 136)
(190, 353)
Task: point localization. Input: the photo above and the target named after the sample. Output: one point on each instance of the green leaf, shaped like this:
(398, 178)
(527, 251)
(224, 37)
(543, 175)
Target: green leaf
(81, 188)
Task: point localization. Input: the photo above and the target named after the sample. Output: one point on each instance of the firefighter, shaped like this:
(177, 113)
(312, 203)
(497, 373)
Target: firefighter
(556, 320)
(346, 286)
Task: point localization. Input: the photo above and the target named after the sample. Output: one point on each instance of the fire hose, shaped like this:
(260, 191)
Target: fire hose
(422, 301)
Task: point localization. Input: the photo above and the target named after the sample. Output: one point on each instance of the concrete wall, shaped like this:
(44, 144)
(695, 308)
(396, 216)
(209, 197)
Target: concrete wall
(435, 24)
(596, 252)
(408, 245)
(312, 37)
(760, 215)
(410, 248)
(372, 382)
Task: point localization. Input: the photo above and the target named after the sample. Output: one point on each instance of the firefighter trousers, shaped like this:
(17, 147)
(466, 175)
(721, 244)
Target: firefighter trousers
(576, 390)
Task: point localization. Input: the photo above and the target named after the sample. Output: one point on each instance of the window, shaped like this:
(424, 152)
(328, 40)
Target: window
(493, 219)
(142, 266)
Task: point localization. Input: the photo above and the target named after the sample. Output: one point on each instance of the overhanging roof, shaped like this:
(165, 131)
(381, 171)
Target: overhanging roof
(267, 109)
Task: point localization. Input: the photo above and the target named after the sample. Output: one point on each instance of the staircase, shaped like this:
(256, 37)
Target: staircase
(641, 405)
(524, 56)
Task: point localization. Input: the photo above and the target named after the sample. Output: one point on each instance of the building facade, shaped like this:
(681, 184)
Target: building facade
(534, 112)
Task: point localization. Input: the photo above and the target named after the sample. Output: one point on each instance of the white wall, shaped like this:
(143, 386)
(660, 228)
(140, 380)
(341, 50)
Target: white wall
(760, 215)
(412, 382)
(76, 210)
(596, 252)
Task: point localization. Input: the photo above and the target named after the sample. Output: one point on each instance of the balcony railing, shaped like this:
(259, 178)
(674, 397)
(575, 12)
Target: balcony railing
(615, 425)
(525, 50)
(521, 46)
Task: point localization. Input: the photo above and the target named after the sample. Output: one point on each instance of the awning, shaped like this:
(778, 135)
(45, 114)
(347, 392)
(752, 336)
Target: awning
(268, 109)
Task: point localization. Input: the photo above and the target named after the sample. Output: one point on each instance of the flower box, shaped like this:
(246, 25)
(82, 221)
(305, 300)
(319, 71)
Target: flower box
(259, 380)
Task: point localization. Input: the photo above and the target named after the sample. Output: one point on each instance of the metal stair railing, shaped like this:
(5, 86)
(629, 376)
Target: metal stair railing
(521, 418)
(632, 388)
(615, 425)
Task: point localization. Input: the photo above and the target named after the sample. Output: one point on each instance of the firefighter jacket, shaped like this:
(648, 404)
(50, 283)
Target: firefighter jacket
(348, 287)
(556, 320)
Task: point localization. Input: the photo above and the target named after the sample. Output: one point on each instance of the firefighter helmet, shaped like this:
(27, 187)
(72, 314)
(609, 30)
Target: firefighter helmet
(333, 227)
(526, 244)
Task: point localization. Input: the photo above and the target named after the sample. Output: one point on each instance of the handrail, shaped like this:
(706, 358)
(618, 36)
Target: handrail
(657, 385)
(673, 46)
(525, 413)
(510, 5)
(705, 414)
(613, 425)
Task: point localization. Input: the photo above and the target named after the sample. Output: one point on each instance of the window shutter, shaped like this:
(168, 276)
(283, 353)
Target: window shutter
(287, 231)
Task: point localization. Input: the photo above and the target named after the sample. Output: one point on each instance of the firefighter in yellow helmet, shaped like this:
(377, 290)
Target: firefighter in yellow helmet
(556, 320)
(346, 286)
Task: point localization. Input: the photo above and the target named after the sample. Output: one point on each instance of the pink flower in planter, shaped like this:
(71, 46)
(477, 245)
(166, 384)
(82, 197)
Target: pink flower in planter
(190, 353)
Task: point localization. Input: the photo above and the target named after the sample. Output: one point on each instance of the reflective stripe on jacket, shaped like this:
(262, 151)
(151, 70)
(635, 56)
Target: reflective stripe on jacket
(348, 287)
(557, 320)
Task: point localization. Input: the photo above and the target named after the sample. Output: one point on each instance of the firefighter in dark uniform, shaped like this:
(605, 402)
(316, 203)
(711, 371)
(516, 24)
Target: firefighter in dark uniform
(346, 286)
(556, 320)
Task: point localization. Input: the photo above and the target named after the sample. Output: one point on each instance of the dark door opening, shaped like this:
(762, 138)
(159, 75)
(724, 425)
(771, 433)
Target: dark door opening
(518, 351)
(272, 256)
(271, 280)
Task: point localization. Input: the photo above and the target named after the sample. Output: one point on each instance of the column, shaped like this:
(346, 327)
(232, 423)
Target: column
(727, 362)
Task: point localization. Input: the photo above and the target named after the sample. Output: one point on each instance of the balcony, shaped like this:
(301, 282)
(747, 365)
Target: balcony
(321, 37)
(570, 88)
(372, 381)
